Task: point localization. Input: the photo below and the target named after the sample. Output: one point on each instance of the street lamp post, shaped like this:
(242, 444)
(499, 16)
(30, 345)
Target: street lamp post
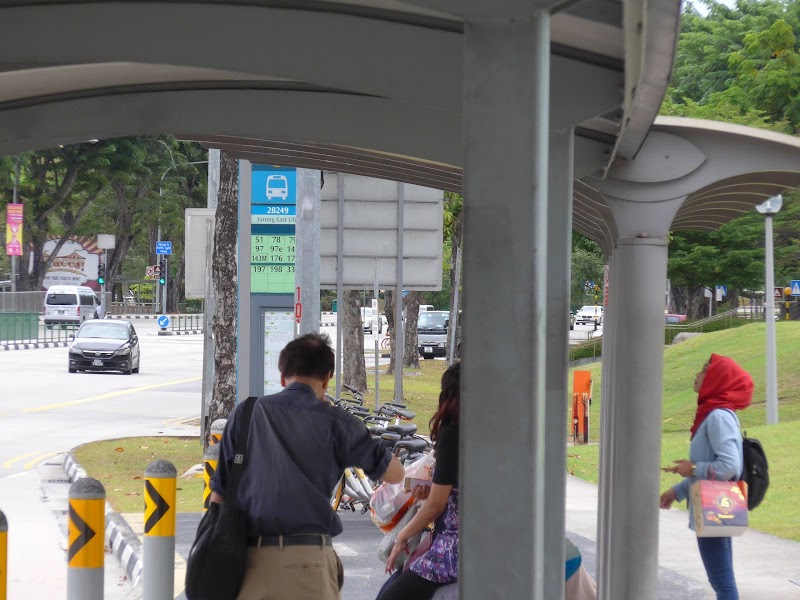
(769, 209)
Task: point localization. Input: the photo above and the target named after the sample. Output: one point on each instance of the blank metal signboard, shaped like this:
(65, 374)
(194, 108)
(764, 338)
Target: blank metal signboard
(370, 232)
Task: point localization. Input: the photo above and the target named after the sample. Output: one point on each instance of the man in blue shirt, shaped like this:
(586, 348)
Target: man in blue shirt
(298, 447)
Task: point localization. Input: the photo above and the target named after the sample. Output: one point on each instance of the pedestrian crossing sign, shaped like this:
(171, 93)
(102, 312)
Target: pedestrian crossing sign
(795, 287)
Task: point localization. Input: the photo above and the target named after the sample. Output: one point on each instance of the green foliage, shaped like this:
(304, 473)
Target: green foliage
(587, 265)
(739, 65)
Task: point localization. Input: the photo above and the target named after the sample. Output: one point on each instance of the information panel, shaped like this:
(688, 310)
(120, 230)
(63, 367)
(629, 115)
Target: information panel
(278, 331)
(272, 230)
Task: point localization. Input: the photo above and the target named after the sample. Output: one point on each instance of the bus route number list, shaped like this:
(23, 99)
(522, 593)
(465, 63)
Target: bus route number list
(272, 264)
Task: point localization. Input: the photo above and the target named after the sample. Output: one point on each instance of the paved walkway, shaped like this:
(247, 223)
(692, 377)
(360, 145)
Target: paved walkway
(766, 567)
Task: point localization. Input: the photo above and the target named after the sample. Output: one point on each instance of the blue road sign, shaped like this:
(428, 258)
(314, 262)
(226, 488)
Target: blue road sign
(163, 321)
(795, 287)
(163, 247)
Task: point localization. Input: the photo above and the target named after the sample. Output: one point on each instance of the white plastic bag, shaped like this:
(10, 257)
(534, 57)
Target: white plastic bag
(387, 543)
(390, 501)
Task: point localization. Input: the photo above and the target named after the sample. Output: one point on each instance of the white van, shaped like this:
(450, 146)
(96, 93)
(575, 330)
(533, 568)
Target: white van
(590, 314)
(70, 304)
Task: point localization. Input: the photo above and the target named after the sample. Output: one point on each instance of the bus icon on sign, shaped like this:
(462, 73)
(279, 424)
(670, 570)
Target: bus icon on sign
(277, 187)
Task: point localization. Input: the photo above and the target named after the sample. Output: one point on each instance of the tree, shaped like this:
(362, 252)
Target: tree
(411, 352)
(354, 372)
(57, 187)
(587, 265)
(388, 311)
(224, 279)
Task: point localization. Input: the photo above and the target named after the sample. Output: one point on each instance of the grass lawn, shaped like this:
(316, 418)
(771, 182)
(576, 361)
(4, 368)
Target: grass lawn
(777, 514)
(119, 464)
(121, 471)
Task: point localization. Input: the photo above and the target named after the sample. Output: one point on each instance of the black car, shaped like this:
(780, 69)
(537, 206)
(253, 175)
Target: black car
(105, 346)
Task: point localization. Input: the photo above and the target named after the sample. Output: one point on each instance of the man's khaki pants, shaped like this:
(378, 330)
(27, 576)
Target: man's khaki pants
(292, 573)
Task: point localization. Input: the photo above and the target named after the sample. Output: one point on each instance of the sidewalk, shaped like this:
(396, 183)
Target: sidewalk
(766, 567)
(35, 504)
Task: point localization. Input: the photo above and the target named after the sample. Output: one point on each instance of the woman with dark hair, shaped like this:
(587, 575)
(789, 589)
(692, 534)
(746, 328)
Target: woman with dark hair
(438, 566)
(715, 452)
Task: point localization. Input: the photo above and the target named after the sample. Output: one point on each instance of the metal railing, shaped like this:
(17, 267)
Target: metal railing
(22, 302)
(15, 332)
(186, 322)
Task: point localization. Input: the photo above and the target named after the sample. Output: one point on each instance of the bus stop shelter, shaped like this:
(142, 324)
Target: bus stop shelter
(542, 113)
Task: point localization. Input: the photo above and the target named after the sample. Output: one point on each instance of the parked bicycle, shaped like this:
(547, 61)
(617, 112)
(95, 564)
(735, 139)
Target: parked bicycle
(354, 490)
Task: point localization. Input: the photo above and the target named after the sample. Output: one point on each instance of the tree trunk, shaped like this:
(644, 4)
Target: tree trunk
(354, 372)
(223, 273)
(455, 256)
(411, 305)
(176, 277)
(388, 310)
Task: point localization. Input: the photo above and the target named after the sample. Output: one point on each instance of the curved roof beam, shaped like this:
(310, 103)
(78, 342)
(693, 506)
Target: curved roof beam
(695, 174)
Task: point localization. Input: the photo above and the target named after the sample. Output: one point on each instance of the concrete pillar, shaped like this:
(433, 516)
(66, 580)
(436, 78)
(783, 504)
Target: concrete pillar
(503, 424)
(307, 231)
(632, 447)
(605, 489)
(559, 251)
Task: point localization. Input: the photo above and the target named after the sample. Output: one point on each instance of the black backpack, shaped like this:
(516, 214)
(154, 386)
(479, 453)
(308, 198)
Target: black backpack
(756, 470)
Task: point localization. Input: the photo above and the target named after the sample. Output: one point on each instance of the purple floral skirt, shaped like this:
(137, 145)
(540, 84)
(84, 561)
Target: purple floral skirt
(440, 563)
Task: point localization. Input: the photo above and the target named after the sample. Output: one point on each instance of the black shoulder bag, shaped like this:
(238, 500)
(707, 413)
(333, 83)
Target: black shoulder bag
(216, 563)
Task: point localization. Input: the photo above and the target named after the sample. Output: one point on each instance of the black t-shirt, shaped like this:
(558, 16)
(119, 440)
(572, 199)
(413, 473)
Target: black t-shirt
(446, 470)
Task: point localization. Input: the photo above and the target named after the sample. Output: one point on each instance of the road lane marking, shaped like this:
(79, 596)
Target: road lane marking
(11, 461)
(109, 395)
(32, 463)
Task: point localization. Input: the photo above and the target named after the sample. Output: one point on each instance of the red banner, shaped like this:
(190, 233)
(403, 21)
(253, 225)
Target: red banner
(14, 214)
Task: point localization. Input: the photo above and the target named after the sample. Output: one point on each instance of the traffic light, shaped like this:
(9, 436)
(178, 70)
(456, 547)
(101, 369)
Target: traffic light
(162, 267)
(101, 274)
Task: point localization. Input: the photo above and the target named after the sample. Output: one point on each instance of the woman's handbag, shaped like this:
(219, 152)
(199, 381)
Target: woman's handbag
(719, 508)
(216, 563)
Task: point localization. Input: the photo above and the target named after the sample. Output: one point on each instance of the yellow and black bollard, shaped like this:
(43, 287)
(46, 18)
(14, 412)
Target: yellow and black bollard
(215, 432)
(158, 570)
(3, 556)
(210, 459)
(787, 292)
(86, 541)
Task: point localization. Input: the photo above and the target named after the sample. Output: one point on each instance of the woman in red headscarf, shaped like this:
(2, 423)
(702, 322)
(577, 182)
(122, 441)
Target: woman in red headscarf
(722, 387)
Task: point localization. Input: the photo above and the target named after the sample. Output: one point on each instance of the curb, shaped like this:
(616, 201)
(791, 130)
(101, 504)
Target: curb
(124, 543)
(132, 316)
(33, 345)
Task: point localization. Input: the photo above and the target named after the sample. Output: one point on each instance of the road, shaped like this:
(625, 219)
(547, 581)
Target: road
(46, 410)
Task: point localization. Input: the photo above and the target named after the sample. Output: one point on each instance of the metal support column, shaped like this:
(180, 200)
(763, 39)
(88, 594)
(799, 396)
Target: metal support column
(506, 113)
(630, 561)
(559, 252)
(607, 414)
(307, 236)
(339, 283)
(399, 322)
(377, 337)
(769, 307)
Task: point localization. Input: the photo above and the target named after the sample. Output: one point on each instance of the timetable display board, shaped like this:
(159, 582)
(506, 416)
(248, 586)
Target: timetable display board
(273, 216)
(278, 331)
